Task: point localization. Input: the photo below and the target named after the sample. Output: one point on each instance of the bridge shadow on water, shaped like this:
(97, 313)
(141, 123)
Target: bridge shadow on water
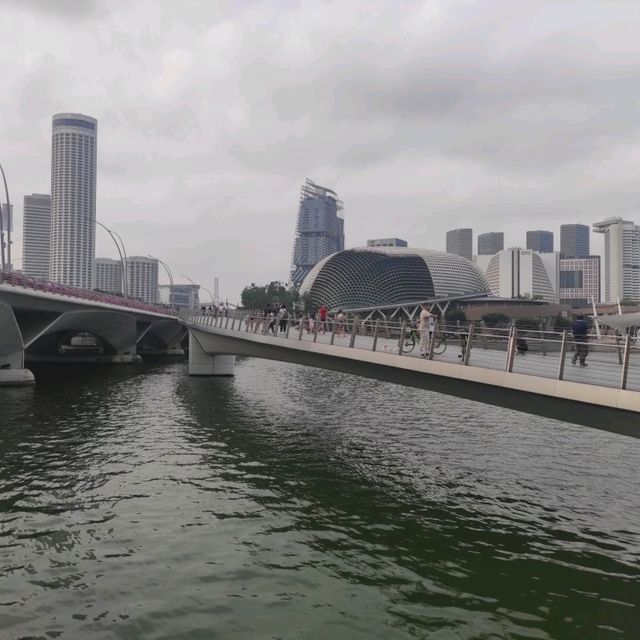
(468, 518)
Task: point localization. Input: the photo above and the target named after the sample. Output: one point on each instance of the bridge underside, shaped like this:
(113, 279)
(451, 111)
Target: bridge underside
(42, 335)
(596, 407)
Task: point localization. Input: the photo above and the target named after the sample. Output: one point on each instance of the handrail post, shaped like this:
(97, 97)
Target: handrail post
(563, 355)
(301, 327)
(432, 342)
(511, 349)
(256, 325)
(233, 321)
(226, 324)
(625, 362)
(286, 333)
(375, 335)
(352, 341)
(316, 325)
(333, 330)
(467, 350)
(401, 340)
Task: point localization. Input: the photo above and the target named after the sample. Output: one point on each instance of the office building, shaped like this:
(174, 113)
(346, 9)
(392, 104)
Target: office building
(540, 241)
(460, 243)
(386, 242)
(319, 229)
(621, 259)
(575, 241)
(378, 276)
(521, 273)
(73, 200)
(142, 278)
(36, 228)
(109, 275)
(490, 243)
(580, 281)
(184, 296)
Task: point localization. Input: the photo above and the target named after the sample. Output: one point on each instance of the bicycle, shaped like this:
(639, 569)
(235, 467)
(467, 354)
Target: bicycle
(412, 338)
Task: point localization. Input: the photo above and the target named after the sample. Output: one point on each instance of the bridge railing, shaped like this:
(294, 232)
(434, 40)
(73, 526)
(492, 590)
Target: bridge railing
(612, 361)
(20, 280)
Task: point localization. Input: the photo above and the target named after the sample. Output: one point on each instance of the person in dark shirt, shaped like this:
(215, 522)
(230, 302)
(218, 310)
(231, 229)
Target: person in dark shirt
(580, 331)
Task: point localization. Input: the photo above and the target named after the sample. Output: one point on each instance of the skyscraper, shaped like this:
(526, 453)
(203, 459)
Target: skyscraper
(142, 278)
(319, 229)
(73, 200)
(580, 280)
(540, 241)
(490, 243)
(460, 243)
(574, 240)
(621, 259)
(36, 228)
(109, 275)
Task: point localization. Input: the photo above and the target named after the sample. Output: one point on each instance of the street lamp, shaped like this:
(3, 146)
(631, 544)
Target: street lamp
(123, 262)
(4, 262)
(166, 268)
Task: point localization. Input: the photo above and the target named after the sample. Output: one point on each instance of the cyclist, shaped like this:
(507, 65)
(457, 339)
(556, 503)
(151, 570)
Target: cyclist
(426, 326)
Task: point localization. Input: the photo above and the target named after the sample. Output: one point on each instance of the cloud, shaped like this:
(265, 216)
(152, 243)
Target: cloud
(423, 115)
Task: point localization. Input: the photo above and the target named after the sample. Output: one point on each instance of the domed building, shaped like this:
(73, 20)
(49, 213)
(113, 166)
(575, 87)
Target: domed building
(384, 276)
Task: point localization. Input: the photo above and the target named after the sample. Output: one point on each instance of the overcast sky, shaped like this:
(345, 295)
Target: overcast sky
(423, 115)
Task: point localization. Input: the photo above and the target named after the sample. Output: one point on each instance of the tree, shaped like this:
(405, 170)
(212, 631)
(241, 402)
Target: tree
(455, 315)
(275, 293)
(495, 319)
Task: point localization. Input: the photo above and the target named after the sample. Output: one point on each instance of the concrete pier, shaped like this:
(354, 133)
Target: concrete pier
(202, 363)
(16, 378)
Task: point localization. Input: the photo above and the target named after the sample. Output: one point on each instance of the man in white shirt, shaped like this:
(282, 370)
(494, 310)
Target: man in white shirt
(426, 326)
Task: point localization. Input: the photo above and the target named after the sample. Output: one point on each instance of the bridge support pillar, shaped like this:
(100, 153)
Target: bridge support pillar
(202, 363)
(12, 371)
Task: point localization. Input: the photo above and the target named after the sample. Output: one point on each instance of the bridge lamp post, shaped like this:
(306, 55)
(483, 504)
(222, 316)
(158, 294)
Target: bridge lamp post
(4, 262)
(123, 261)
(166, 268)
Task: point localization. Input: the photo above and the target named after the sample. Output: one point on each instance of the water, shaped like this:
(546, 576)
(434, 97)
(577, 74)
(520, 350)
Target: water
(136, 502)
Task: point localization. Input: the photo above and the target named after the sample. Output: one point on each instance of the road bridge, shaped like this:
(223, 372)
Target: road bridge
(487, 365)
(41, 321)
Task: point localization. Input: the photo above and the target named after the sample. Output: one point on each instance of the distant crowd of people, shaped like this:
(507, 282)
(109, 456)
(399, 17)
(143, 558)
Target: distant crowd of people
(275, 319)
(215, 310)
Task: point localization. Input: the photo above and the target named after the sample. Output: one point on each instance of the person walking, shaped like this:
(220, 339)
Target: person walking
(283, 316)
(426, 328)
(323, 313)
(580, 332)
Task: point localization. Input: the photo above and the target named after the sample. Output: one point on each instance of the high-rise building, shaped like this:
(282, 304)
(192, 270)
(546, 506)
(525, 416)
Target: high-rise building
(142, 278)
(540, 241)
(185, 296)
(574, 240)
(521, 273)
(319, 229)
(490, 243)
(460, 243)
(73, 200)
(580, 280)
(36, 228)
(621, 259)
(386, 242)
(109, 275)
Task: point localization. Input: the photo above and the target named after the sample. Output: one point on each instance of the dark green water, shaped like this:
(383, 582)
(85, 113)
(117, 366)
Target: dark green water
(136, 502)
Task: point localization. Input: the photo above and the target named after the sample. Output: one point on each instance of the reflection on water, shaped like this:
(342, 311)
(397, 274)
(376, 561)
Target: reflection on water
(136, 502)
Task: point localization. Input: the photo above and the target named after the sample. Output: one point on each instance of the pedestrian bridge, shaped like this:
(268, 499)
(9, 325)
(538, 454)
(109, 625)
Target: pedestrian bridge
(482, 364)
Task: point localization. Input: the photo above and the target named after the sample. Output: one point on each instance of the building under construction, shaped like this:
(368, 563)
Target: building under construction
(319, 229)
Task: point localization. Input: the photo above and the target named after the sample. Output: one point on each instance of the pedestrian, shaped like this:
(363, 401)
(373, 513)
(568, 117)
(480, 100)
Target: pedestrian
(426, 328)
(323, 313)
(272, 320)
(339, 320)
(580, 332)
(283, 317)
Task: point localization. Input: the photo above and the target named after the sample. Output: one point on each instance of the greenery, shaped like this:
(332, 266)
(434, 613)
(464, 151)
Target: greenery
(532, 324)
(455, 315)
(257, 296)
(561, 323)
(496, 319)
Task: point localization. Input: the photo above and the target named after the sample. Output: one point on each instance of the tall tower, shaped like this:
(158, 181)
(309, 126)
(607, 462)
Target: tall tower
(621, 259)
(490, 243)
(574, 240)
(540, 241)
(319, 229)
(142, 278)
(460, 242)
(36, 228)
(73, 200)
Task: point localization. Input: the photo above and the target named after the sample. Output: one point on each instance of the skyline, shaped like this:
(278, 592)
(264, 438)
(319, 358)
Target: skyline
(424, 117)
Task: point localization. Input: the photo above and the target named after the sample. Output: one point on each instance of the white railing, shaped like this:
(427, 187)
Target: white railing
(610, 361)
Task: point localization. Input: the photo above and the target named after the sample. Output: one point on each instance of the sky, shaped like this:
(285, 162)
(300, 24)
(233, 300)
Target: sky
(423, 115)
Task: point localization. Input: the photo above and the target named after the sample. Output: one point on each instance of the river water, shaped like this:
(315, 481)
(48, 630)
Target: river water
(287, 502)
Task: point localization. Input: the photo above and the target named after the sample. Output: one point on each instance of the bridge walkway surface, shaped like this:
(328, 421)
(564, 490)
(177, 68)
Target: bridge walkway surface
(482, 365)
